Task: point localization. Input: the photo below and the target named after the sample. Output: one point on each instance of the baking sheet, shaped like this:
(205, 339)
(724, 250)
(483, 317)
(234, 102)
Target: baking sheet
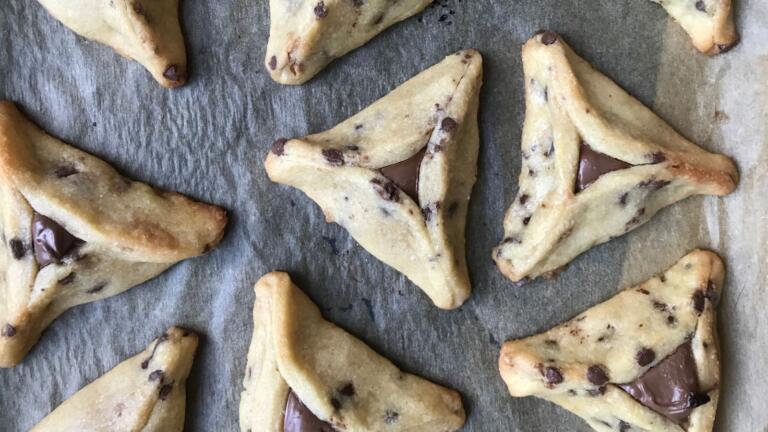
(208, 140)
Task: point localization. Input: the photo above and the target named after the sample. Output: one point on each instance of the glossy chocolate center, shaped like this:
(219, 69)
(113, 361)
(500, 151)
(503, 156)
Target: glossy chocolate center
(298, 418)
(671, 388)
(51, 241)
(593, 164)
(405, 174)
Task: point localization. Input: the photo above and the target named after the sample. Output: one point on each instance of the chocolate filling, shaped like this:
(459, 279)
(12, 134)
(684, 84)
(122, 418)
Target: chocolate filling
(593, 164)
(405, 174)
(51, 241)
(671, 388)
(298, 418)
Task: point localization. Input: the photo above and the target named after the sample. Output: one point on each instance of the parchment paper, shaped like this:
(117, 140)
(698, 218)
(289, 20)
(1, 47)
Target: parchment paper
(209, 139)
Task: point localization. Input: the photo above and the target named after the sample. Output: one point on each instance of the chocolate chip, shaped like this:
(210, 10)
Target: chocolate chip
(654, 184)
(278, 147)
(273, 62)
(597, 392)
(698, 301)
(165, 391)
(624, 426)
(526, 220)
(173, 73)
(386, 189)
(657, 157)
(391, 417)
(157, 375)
(645, 356)
(348, 390)
(336, 404)
(659, 306)
(697, 399)
(8, 331)
(548, 37)
(635, 219)
(448, 124)
(321, 11)
(430, 210)
(550, 151)
(722, 48)
(52, 243)
(96, 288)
(524, 199)
(333, 156)
(643, 291)
(596, 375)
(65, 171)
(68, 279)
(18, 249)
(552, 376)
(623, 198)
(701, 6)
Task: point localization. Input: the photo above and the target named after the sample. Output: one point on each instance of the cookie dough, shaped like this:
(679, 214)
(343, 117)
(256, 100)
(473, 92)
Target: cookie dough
(399, 174)
(596, 164)
(306, 35)
(646, 360)
(709, 23)
(144, 393)
(147, 31)
(74, 231)
(305, 373)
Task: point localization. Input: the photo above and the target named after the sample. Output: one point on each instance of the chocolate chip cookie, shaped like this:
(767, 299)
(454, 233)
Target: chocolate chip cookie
(596, 164)
(306, 374)
(399, 174)
(645, 360)
(74, 231)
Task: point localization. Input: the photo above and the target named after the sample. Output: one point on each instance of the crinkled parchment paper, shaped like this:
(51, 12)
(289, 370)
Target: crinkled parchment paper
(208, 140)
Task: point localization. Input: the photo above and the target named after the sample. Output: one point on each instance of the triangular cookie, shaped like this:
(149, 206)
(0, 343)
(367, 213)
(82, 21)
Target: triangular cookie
(645, 360)
(75, 231)
(147, 31)
(399, 174)
(145, 393)
(306, 35)
(708, 22)
(596, 164)
(303, 369)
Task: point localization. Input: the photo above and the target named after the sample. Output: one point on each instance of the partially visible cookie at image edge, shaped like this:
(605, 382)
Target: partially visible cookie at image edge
(74, 231)
(647, 359)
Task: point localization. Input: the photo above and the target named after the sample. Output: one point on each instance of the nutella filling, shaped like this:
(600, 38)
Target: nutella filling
(405, 174)
(593, 164)
(671, 388)
(51, 241)
(298, 418)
